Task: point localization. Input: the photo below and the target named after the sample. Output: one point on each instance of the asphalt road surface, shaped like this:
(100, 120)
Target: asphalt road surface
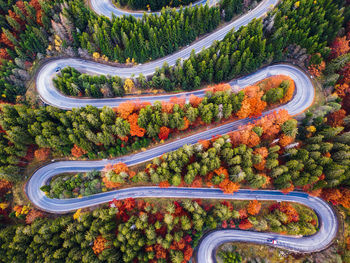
(107, 8)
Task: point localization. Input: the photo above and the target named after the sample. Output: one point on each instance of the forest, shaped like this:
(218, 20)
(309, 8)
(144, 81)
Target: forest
(100, 133)
(152, 5)
(248, 158)
(159, 233)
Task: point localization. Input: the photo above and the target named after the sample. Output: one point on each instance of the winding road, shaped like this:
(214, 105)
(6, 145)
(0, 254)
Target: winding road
(302, 99)
(107, 8)
(51, 96)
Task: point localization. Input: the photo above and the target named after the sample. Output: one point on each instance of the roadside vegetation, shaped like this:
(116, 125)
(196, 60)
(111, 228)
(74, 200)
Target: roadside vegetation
(145, 230)
(101, 133)
(153, 5)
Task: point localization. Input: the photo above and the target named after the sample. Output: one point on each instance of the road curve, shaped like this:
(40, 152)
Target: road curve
(323, 238)
(303, 98)
(47, 72)
(107, 8)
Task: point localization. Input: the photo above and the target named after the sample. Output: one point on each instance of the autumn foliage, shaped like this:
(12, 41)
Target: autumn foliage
(77, 151)
(195, 101)
(254, 207)
(245, 224)
(99, 245)
(337, 196)
(316, 70)
(125, 109)
(340, 46)
(163, 133)
(32, 215)
(219, 87)
(228, 187)
(135, 129)
(42, 154)
(5, 186)
(252, 105)
(336, 118)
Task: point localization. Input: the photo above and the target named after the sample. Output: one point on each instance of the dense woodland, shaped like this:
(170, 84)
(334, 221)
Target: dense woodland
(247, 49)
(153, 5)
(129, 38)
(135, 229)
(250, 157)
(100, 133)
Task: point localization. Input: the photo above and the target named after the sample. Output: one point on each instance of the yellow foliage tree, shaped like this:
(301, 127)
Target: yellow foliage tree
(128, 85)
(96, 55)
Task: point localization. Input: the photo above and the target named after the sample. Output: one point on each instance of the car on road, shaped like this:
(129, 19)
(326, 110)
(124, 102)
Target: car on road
(272, 241)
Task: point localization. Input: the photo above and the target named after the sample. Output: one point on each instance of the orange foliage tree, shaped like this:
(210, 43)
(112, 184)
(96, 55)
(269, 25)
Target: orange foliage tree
(186, 124)
(205, 144)
(254, 207)
(288, 189)
(228, 187)
(290, 211)
(125, 109)
(252, 105)
(164, 184)
(181, 101)
(337, 196)
(77, 151)
(99, 245)
(316, 70)
(285, 140)
(135, 129)
(195, 101)
(167, 106)
(42, 154)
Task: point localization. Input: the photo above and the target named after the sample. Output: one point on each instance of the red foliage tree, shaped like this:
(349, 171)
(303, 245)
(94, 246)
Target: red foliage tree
(164, 184)
(336, 118)
(5, 186)
(245, 224)
(340, 46)
(290, 211)
(129, 204)
(332, 195)
(32, 215)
